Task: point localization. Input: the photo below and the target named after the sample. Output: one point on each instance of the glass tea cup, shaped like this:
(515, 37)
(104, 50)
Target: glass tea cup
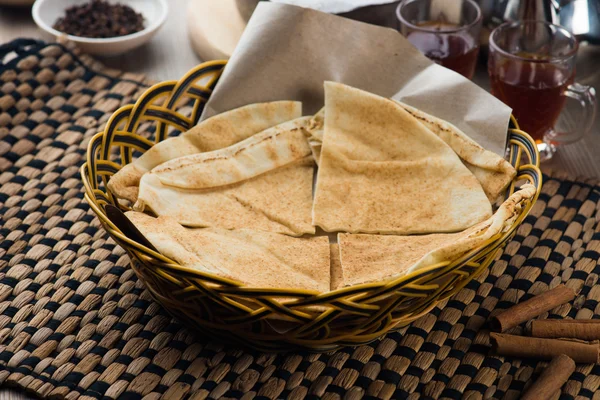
(446, 31)
(532, 69)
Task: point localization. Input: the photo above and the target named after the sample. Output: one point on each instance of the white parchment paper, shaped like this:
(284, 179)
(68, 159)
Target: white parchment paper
(334, 6)
(287, 52)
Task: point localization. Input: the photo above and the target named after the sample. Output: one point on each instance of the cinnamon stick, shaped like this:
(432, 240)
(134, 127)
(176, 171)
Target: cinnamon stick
(533, 307)
(544, 349)
(586, 329)
(555, 375)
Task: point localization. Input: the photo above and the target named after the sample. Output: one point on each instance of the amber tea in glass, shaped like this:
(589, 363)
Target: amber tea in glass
(446, 31)
(532, 69)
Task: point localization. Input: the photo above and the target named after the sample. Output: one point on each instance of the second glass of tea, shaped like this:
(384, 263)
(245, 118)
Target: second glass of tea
(532, 70)
(446, 31)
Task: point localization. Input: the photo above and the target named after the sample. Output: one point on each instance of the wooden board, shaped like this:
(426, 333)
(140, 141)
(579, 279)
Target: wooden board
(214, 27)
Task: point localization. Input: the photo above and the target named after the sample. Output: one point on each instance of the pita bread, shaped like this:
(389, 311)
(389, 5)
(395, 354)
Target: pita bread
(492, 171)
(382, 171)
(263, 152)
(373, 258)
(243, 193)
(217, 132)
(255, 258)
(337, 276)
(315, 130)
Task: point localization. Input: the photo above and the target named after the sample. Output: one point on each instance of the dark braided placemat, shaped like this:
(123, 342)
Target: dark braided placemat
(75, 321)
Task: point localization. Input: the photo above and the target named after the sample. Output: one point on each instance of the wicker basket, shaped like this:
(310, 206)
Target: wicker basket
(269, 319)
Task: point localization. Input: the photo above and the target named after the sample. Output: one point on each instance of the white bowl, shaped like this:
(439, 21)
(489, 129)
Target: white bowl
(46, 12)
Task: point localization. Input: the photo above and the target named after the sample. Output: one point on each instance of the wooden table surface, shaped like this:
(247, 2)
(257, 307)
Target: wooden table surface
(169, 56)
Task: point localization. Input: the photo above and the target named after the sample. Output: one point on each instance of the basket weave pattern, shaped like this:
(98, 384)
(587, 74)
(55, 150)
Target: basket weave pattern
(272, 320)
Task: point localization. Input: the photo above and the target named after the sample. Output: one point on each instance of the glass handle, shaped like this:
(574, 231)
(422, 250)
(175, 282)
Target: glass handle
(586, 97)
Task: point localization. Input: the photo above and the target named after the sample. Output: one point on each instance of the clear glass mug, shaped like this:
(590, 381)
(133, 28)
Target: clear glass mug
(446, 31)
(532, 69)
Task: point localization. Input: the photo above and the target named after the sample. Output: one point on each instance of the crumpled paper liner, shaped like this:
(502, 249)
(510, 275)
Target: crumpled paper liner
(287, 52)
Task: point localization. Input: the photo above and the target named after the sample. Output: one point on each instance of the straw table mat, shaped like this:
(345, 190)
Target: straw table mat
(76, 323)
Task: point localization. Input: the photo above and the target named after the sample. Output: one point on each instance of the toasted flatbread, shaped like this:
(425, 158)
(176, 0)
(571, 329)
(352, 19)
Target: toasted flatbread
(220, 131)
(255, 258)
(315, 130)
(263, 183)
(266, 151)
(374, 258)
(382, 171)
(491, 170)
(337, 275)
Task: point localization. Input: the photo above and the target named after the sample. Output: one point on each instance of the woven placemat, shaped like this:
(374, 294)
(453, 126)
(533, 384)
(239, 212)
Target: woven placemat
(76, 323)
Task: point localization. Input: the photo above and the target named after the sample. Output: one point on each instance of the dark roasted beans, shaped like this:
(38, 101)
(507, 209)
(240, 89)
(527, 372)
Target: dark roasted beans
(100, 19)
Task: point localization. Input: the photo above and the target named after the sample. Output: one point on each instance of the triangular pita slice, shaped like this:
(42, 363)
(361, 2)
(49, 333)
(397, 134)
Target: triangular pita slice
(374, 258)
(493, 171)
(257, 259)
(217, 132)
(263, 183)
(382, 171)
(263, 152)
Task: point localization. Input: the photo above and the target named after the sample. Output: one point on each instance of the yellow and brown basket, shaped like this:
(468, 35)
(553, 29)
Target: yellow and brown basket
(269, 319)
